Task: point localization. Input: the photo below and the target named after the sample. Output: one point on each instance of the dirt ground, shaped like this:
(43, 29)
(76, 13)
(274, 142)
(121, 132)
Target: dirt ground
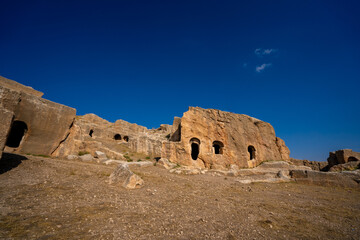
(43, 198)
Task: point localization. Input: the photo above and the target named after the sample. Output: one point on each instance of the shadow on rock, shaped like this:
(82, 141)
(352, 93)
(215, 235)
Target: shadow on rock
(10, 161)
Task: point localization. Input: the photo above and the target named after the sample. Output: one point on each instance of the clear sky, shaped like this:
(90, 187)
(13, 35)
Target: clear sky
(294, 64)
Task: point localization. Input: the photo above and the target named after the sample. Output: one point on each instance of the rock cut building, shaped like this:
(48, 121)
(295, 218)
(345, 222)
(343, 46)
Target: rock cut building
(210, 138)
(202, 138)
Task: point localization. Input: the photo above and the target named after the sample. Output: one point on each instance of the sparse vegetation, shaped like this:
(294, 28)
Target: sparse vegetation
(147, 157)
(81, 153)
(139, 160)
(128, 159)
(38, 155)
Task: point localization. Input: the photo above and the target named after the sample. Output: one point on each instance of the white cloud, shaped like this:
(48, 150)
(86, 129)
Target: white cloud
(257, 51)
(269, 51)
(262, 67)
(262, 52)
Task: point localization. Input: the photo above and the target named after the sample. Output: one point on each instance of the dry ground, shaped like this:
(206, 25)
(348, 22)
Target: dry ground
(43, 198)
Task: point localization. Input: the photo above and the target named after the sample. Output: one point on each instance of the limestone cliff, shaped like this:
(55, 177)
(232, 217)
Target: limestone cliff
(212, 138)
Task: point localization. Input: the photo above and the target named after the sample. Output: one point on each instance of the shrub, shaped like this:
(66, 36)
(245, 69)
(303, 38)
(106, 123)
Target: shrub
(81, 153)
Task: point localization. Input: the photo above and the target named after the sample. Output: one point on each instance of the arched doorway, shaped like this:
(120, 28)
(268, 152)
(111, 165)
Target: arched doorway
(252, 151)
(218, 147)
(195, 148)
(17, 133)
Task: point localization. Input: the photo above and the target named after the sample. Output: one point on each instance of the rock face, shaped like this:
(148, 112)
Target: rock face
(342, 156)
(202, 138)
(315, 165)
(346, 179)
(209, 138)
(349, 166)
(91, 133)
(29, 123)
(6, 118)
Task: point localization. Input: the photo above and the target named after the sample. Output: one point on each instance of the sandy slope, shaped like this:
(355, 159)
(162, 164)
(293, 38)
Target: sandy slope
(42, 198)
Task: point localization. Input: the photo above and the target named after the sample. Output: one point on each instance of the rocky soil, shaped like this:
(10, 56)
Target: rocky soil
(44, 198)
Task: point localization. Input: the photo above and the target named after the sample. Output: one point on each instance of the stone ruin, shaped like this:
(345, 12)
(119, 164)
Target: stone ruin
(213, 139)
(202, 138)
(29, 123)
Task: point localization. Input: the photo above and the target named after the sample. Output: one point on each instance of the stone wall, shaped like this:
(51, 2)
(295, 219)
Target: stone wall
(42, 123)
(342, 156)
(222, 139)
(91, 133)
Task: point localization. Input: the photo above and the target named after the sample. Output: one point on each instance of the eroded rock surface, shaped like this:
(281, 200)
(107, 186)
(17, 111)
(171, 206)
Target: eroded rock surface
(29, 123)
(91, 133)
(342, 156)
(213, 139)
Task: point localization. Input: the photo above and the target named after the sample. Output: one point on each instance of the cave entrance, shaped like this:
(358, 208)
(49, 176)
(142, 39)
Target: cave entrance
(17, 133)
(352, 159)
(195, 148)
(218, 147)
(117, 136)
(91, 133)
(126, 138)
(251, 151)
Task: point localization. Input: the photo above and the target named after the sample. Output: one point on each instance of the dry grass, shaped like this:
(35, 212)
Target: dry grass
(51, 198)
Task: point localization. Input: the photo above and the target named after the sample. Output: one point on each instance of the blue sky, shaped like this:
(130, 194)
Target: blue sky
(294, 64)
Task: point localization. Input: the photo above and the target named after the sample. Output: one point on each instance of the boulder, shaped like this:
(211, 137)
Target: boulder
(86, 158)
(133, 181)
(72, 157)
(124, 175)
(166, 163)
(100, 155)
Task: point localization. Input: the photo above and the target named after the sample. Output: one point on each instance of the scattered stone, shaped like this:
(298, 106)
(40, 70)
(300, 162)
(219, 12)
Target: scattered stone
(86, 158)
(72, 157)
(349, 166)
(100, 155)
(186, 170)
(133, 181)
(166, 163)
(129, 179)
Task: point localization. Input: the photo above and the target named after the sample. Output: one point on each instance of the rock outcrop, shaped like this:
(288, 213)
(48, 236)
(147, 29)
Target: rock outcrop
(315, 165)
(213, 139)
(29, 123)
(342, 156)
(91, 133)
(344, 179)
(202, 138)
